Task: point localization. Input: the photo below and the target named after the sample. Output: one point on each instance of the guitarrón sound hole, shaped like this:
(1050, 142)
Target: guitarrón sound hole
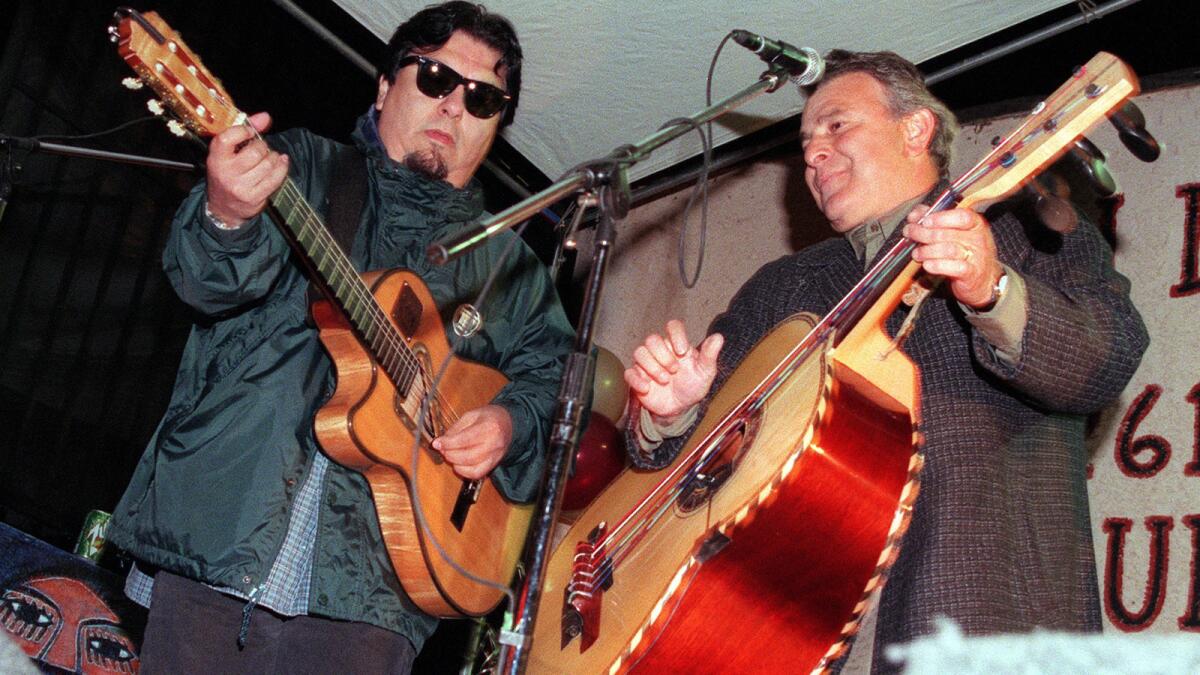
(712, 473)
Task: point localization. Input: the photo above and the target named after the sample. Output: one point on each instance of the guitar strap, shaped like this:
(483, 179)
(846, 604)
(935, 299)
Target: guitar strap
(347, 194)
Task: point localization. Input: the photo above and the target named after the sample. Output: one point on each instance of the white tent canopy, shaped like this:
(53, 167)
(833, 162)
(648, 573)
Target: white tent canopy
(602, 75)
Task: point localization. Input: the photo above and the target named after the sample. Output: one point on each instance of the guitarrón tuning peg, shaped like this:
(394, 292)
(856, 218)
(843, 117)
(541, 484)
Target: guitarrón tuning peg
(1131, 129)
(1053, 210)
(177, 128)
(132, 83)
(1091, 160)
(155, 106)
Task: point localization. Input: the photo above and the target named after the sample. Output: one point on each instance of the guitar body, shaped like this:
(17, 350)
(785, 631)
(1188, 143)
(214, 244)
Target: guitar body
(367, 425)
(771, 572)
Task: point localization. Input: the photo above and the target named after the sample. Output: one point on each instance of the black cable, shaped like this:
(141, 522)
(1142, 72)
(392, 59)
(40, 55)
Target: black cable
(98, 134)
(701, 188)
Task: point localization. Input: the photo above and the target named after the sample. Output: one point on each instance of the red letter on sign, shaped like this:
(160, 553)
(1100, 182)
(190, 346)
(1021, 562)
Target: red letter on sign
(1191, 620)
(1156, 574)
(1192, 468)
(1189, 275)
(1129, 447)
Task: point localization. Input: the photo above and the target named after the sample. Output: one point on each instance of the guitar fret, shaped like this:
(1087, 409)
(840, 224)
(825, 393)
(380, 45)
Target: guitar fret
(376, 338)
(357, 313)
(323, 258)
(387, 358)
(336, 281)
(406, 376)
(306, 237)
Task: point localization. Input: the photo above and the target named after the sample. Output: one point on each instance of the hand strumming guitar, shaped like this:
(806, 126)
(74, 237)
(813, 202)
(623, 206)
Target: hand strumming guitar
(477, 441)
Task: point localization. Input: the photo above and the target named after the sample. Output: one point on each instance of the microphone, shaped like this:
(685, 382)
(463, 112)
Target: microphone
(804, 64)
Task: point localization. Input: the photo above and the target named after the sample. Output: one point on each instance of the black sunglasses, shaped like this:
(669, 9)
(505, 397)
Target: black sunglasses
(437, 80)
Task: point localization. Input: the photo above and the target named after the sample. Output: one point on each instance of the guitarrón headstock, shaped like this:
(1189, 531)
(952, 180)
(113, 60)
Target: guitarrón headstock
(1094, 90)
(162, 60)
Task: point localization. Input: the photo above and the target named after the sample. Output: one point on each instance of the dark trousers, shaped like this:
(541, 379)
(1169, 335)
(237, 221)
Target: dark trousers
(194, 629)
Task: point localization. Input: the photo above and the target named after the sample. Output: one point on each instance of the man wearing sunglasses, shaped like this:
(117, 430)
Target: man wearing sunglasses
(256, 553)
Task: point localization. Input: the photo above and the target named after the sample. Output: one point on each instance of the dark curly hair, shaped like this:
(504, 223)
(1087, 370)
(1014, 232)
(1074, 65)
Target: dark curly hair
(431, 27)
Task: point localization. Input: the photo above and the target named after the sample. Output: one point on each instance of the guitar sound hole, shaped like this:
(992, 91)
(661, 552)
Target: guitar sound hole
(407, 401)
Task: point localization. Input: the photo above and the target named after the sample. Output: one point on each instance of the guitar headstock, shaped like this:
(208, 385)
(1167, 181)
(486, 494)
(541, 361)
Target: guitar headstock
(162, 61)
(1094, 90)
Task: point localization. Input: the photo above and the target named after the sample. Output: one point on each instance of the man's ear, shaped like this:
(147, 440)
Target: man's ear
(382, 93)
(919, 128)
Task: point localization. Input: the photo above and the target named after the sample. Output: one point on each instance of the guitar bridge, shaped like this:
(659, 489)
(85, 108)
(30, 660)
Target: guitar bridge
(467, 496)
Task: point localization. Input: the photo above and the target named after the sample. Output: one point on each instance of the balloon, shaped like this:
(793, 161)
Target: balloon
(609, 391)
(598, 460)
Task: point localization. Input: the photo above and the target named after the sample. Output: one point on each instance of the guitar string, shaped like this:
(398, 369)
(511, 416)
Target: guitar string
(902, 249)
(445, 411)
(358, 287)
(993, 161)
(385, 335)
(702, 454)
(778, 375)
(629, 541)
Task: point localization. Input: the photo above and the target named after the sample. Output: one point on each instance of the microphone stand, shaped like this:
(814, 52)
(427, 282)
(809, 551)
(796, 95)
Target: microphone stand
(32, 144)
(8, 170)
(602, 182)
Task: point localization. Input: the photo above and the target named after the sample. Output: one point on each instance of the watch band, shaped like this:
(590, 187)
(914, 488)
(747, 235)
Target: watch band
(998, 289)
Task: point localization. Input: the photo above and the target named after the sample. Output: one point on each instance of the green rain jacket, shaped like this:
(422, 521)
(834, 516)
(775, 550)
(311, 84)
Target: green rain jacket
(211, 496)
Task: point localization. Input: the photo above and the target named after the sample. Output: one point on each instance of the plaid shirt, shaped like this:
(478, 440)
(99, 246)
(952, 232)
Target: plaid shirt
(285, 590)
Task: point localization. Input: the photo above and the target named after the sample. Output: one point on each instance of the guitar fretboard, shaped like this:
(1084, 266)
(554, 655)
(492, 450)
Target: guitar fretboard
(348, 289)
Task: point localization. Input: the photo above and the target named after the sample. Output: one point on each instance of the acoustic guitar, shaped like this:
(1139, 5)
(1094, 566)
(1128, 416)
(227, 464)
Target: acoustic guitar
(762, 545)
(384, 335)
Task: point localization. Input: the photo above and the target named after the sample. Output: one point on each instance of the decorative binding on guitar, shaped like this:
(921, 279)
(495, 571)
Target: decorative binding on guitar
(802, 526)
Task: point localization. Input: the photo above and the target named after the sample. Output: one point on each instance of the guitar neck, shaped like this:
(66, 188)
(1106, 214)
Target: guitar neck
(342, 283)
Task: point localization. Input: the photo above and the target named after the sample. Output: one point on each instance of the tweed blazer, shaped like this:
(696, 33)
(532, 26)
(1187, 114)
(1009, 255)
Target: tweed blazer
(1000, 539)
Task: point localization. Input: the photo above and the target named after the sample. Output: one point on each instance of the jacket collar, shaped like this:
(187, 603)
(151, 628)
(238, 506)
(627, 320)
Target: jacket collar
(438, 199)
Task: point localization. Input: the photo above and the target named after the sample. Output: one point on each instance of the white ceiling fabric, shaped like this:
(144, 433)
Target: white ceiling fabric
(601, 75)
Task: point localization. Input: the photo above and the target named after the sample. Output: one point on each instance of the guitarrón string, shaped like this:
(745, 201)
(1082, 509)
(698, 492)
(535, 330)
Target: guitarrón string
(620, 541)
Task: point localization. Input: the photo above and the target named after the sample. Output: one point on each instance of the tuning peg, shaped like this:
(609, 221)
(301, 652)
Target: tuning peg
(155, 106)
(132, 83)
(1131, 129)
(177, 128)
(1053, 210)
(1091, 161)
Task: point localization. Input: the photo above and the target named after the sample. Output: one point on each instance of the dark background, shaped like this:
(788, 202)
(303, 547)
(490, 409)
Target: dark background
(90, 333)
